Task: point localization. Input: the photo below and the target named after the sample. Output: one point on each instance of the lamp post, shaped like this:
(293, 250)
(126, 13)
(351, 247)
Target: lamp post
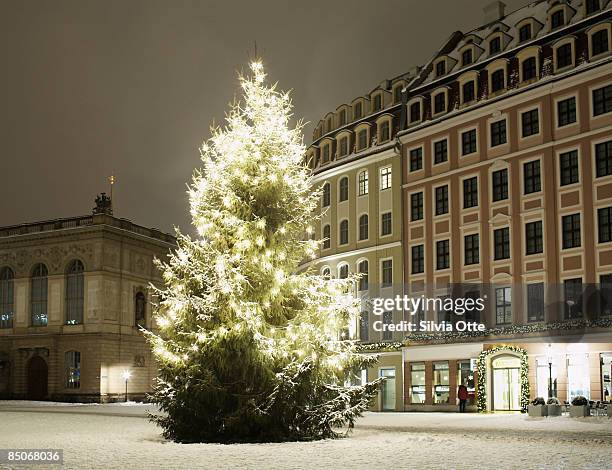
(126, 376)
(549, 354)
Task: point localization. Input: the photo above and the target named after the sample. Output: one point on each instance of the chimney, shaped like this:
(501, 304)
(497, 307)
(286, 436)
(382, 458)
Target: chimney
(493, 11)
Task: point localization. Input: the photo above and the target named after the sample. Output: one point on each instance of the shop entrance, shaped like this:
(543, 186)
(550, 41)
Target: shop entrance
(37, 378)
(388, 389)
(506, 383)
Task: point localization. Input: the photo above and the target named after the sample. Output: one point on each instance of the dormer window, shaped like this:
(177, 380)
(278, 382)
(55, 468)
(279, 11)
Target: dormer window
(466, 57)
(557, 19)
(383, 131)
(440, 102)
(498, 81)
(415, 112)
(343, 147)
(564, 56)
(592, 6)
(469, 92)
(397, 94)
(358, 110)
(529, 68)
(342, 117)
(494, 45)
(377, 103)
(325, 153)
(440, 68)
(600, 42)
(525, 33)
(329, 124)
(362, 139)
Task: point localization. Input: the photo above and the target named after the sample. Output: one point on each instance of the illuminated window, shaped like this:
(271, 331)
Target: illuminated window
(38, 295)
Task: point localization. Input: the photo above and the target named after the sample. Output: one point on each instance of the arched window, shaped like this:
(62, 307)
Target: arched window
(326, 272)
(72, 368)
(343, 192)
(363, 270)
(344, 232)
(363, 227)
(326, 195)
(75, 289)
(140, 305)
(326, 237)
(343, 271)
(7, 293)
(38, 296)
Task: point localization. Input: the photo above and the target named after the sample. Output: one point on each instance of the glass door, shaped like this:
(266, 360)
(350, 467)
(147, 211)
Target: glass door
(506, 389)
(388, 389)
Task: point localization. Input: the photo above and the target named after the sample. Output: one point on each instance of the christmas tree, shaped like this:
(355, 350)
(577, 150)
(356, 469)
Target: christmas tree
(249, 346)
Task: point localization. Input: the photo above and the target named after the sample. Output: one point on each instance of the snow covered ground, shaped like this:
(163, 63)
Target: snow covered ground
(119, 436)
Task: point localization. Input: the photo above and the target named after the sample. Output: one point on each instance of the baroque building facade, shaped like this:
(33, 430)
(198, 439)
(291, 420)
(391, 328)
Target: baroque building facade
(500, 150)
(74, 294)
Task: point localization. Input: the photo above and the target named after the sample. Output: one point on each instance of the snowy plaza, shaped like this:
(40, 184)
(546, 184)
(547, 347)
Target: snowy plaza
(119, 436)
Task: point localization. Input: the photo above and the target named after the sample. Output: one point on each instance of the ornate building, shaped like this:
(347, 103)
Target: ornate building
(501, 149)
(73, 295)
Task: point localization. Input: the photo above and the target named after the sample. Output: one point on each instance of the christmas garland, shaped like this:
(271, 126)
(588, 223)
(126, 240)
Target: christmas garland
(481, 390)
(380, 346)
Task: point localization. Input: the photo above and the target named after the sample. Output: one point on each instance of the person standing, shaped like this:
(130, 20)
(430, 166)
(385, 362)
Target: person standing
(462, 393)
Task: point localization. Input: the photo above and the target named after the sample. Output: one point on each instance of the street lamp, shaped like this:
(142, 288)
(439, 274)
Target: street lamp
(550, 359)
(126, 376)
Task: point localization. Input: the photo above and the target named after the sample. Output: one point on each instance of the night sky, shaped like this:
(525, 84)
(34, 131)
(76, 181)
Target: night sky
(131, 87)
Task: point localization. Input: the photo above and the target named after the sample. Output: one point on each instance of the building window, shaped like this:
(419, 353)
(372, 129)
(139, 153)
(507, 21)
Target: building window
(326, 237)
(343, 192)
(386, 224)
(363, 183)
(357, 110)
(74, 293)
(465, 376)
(326, 273)
(578, 376)
(501, 240)
(566, 111)
(343, 271)
(326, 195)
(525, 33)
(466, 57)
(557, 19)
(377, 103)
(441, 382)
(417, 383)
(440, 103)
(471, 249)
(498, 133)
(7, 296)
(343, 150)
(535, 301)
(470, 192)
(592, 6)
(531, 173)
(468, 142)
(362, 139)
(604, 222)
(564, 55)
(497, 80)
(529, 68)
(140, 305)
(364, 327)
(342, 117)
(571, 230)
(572, 293)
(533, 238)
(72, 366)
(443, 254)
(416, 159)
(469, 92)
(397, 94)
(503, 305)
(603, 158)
(38, 295)
(602, 100)
(387, 273)
(568, 167)
(363, 271)
(605, 297)
(418, 259)
(500, 185)
(385, 178)
(530, 123)
(599, 42)
(325, 153)
(440, 68)
(415, 112)
(363, 227)
(494, 45)
(416, 206)
(344, 232)
(384, 131)
(440, 151)
(442, 200)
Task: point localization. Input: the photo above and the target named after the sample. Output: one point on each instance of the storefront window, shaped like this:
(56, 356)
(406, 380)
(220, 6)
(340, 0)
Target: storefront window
(441, 389)
(606, 375)
(417, 383)
(465, 376)
(578, 376)
(543, 376)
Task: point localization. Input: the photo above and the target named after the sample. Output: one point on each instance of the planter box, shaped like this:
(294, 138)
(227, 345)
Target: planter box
(554, 410)
(579, 411)
(538, 410)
